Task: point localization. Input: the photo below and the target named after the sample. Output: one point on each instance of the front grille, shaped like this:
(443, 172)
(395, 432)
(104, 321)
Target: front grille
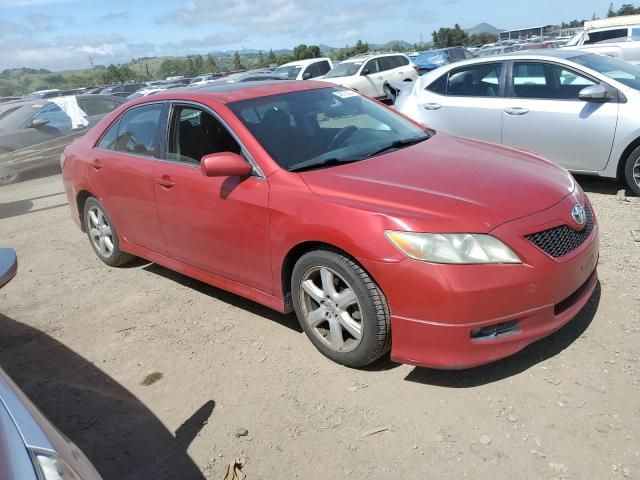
(562, 240)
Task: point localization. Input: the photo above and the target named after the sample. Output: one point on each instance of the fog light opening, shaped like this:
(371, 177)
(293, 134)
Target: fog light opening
(495, 331)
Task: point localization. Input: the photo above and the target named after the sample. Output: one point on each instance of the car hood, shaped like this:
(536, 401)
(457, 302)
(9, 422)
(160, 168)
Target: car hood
(446, 184)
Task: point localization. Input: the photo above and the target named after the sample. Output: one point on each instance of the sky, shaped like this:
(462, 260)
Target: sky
(64, 34)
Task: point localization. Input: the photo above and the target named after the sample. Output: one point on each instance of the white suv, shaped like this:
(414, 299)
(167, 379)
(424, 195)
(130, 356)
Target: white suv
(367, 73)
(304, 69)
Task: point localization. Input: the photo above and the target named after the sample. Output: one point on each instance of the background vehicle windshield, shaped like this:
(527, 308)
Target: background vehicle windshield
(290, 72)
(344, 70)
(435, 57)
(621, 71)
(310, 127)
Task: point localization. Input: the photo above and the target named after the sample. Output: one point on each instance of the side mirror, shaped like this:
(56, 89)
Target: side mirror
(306, 75)
(224, 164)
(366, 71)
(594, 93)
(38, 122)
(8, 265)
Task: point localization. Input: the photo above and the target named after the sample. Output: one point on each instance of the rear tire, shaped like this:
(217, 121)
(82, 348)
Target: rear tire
(340, 308)
(632, 171)
(103, 235)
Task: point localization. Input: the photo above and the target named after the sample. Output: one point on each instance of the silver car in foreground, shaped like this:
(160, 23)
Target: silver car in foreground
(31, 448)
(580, 110)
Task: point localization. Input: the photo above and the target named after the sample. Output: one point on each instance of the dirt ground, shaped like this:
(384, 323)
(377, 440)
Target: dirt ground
(156, 376)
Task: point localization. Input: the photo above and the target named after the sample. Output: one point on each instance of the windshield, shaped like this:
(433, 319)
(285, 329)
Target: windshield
(324, 126)
(290, 72)
(346, 69)
(621, 71)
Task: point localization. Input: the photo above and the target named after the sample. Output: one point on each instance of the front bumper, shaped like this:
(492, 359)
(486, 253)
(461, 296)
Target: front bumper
(442, 316)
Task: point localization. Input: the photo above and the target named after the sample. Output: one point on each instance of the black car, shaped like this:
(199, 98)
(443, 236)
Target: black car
(33, 133)
(123, 90)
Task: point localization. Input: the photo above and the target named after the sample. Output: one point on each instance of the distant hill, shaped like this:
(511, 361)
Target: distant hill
(483, 28)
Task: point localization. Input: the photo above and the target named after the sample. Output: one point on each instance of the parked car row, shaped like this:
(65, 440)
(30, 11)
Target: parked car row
(575, 108)
(33, 133)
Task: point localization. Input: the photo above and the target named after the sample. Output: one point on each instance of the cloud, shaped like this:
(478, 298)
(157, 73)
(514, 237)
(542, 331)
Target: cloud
(285, 17)
(28, 3)
(113, 15)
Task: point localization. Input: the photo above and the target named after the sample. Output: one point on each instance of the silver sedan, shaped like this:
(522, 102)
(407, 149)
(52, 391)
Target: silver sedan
(577, 109)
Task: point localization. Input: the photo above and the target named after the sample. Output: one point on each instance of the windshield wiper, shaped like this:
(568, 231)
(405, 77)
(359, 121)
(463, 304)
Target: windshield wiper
(395, 145)
(299, 167)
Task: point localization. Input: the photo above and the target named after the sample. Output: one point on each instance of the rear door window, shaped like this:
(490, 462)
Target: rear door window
(387, 63)
(475, 81)
(138, 130)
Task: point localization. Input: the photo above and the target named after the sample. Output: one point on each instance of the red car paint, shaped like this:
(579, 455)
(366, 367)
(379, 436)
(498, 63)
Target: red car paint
(241, 234)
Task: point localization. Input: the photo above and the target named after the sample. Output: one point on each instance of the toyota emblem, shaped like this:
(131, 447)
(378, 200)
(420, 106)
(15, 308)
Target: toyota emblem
(578, 214)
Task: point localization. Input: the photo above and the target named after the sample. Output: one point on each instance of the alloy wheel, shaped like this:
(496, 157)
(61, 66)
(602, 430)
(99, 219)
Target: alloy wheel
(100, 231)
(331, 309)
(635, 171)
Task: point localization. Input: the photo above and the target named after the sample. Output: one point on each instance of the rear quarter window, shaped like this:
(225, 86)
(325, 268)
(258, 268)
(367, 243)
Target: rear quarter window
(439, 86)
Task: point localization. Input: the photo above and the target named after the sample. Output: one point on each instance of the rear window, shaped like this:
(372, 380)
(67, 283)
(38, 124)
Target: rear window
(607, 36)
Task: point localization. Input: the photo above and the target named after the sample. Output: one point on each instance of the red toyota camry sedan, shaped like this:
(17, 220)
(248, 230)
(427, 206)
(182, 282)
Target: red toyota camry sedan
(380, 233)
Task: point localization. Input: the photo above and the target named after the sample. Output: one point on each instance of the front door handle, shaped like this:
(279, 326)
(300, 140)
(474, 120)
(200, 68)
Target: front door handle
(96, 164)
(516, 111)
(165, 182)
(431, 106)
(380, 78)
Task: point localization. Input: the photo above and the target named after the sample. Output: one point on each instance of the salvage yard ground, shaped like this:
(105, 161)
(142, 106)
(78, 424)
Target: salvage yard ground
(157, 376)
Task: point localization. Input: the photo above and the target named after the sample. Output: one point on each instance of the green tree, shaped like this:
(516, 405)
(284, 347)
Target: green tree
(198, 64)
(237, 64)
(260, 60)
(271, 58)
(313, 51)
(210, 64)
(449, 37)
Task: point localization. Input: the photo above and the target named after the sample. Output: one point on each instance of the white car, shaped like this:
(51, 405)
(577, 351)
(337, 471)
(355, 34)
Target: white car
(617, 37)
(304, 69)
(367, 73)
(575, 108)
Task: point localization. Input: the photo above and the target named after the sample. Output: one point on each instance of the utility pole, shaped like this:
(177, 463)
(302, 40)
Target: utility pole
(93, 71)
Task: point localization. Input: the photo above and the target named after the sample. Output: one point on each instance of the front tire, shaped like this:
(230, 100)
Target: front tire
(632, 171)
(340, 308)
(103, 235)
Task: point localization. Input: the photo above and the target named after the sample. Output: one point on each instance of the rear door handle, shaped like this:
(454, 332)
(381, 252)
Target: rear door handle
(431, 106)
(516, 111)
(96, 164)
(165, 182)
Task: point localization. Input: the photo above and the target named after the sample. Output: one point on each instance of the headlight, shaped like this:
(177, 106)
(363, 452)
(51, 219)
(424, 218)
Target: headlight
(460, 248)
(54, 468)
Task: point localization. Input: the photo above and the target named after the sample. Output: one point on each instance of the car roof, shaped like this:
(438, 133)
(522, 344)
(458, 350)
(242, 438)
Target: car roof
(306, 61)
(367, 56)
(233, 92)
(537, 54)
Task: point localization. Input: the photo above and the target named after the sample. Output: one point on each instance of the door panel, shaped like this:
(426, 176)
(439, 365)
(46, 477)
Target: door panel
(121, 174)
(218, 224)
(557, 125)
(468, 103)
(126, 186)
(576, 135)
